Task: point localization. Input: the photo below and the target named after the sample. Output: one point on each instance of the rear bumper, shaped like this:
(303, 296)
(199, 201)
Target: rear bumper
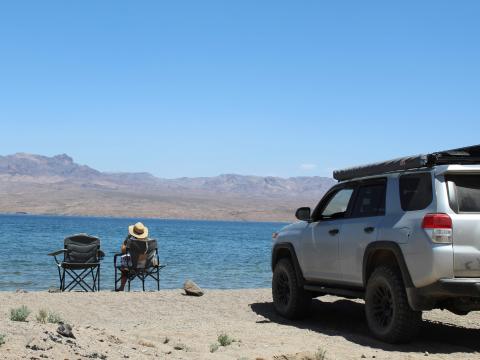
(429, 297)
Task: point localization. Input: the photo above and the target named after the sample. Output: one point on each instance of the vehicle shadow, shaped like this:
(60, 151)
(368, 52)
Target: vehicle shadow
(346, 318)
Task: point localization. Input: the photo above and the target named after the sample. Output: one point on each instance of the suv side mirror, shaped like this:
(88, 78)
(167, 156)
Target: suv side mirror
(303, 214)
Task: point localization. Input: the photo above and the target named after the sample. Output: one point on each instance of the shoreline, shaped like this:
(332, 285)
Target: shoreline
(170, 325)
(27, 214)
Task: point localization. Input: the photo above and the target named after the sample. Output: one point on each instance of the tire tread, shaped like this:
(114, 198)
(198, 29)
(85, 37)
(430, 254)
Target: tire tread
(300, 299)
(407, 321)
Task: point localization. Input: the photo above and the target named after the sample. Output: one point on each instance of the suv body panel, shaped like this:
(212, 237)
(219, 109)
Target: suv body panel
(320, 252)
(353, 242)
(357, 233)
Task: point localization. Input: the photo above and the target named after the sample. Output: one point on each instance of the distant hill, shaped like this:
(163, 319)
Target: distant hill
(57, 185)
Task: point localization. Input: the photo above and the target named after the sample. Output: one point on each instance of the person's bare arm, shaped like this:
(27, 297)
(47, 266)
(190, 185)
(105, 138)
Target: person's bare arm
(124, 246)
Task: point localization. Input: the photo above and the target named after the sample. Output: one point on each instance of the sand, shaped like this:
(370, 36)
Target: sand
(169, 325)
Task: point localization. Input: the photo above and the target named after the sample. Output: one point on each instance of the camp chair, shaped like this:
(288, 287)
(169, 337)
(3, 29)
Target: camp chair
(81, 259)
(144, 263)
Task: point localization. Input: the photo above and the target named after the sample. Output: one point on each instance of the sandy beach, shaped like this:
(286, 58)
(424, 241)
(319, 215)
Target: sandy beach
(170, 325)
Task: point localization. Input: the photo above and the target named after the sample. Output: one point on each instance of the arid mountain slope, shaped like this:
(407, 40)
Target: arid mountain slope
(57, 185)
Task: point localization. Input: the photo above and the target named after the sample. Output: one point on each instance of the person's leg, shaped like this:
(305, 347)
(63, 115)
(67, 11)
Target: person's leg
(123, 281)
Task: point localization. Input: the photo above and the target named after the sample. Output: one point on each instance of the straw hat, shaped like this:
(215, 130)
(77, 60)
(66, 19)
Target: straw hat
(138, 231)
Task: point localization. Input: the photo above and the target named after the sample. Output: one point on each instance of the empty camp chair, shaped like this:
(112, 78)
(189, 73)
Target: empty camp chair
(143, 262)
(81, 259)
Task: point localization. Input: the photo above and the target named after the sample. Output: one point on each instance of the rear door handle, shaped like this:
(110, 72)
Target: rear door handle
(333, 232)
(369, 229)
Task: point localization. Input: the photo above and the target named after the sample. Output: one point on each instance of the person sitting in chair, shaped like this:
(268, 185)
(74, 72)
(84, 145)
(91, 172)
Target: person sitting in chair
(135, 232)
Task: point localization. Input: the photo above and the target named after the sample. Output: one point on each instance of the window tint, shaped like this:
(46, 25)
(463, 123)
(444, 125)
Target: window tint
(467, 193)
(415, 191)
(338, 204)
(370, 200)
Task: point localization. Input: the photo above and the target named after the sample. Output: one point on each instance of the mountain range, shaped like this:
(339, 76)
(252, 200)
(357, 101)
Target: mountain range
(58, 185)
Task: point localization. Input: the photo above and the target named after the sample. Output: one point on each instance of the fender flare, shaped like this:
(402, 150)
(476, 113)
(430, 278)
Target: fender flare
(293, 255)
(397, 252)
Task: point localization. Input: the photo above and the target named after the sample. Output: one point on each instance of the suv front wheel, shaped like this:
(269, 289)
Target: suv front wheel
(289, 299)
(388, 313)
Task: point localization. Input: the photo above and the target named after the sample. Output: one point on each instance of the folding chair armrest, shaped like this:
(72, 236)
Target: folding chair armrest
(100, 254)
(115, 256)
(58, 252)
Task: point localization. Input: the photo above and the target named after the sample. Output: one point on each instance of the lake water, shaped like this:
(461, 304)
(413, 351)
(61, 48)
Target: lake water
(215, 254)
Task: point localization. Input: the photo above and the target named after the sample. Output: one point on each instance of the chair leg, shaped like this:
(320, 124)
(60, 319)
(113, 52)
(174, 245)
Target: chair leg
(98, 278)
(116, 282)
(115, 286)
(94, 281)
(78, 279)
(62, 280)
(158, 279)
(118, 278)
(96, 274)
(59, 277)
(143, 283)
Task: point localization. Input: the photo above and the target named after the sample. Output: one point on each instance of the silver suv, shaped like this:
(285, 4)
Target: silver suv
(403, 235)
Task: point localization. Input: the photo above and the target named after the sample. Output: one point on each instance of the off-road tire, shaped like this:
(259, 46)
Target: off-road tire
(289, 298)
(388, 313)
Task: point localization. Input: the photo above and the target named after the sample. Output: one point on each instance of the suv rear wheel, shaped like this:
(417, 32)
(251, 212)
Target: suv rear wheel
(388, 313)
(289, 299)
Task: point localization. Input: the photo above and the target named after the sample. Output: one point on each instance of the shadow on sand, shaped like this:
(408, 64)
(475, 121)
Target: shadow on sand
(346, 318)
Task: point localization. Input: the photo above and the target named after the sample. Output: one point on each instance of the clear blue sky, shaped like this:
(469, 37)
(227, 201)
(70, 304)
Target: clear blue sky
(199, 88)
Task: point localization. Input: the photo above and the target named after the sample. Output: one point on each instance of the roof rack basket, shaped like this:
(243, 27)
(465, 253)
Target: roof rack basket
(465, 155)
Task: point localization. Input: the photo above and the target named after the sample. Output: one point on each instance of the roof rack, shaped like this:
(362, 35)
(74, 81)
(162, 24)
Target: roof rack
(465, 155)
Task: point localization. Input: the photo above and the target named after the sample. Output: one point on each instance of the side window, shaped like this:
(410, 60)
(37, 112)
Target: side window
(370, 200)
(415, 191)
(338, 204)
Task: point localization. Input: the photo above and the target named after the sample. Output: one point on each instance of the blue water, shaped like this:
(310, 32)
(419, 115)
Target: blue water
(215, 254)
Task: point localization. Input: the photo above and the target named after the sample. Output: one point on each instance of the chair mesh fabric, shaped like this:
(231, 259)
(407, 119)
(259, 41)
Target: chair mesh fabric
(142, 253)
(81, 249)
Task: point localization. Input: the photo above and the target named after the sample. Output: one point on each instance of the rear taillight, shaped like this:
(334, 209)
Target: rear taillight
(438, 227)
(437, 221)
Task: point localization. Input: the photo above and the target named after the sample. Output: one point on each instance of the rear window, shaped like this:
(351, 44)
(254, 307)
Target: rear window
(464, 193)
(415, 191)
